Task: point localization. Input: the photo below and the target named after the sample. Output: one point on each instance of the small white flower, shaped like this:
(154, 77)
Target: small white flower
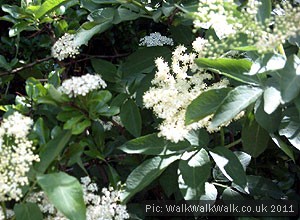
(82, 85)
(65, 47)
(155, 39)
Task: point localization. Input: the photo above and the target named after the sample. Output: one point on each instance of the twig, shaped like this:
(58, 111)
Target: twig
(25, 66)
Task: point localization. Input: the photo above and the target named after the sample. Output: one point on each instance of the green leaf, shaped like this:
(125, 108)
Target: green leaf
(290, 79)
(255, 138)
(237, 100)
(272, 99)
(52, 149)
(106, 1)
(232, 68)
(205, 104)
(83, 35)
(131, 117)
(182, 34)
(264, 10)
(4, 64)
(193, 172)
(291, 131)
(169, 179)
(144, 174)
(153, 145)
(65, 193)
(142, 61)
(270, 122)
(42, 131)
(47, 6)
(81, 126)
(124, 14)
(283, 146)
(268, 62)
(27, 211)
(244, 158)
(263, 187)
(72, 122)
(113, 176)
(57, 95)
(106, 69)
(230, 165)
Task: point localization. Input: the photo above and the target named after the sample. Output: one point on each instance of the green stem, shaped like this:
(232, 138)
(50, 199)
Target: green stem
(4, 209)
(233, 143)
(222, 134)
(29, 191)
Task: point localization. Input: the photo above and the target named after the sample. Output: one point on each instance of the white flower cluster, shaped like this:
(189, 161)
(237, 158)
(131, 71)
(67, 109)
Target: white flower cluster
(173, 90)
(212, 13)
(81, 85)
(65, 47)
(16, 155)
(155, 39)
(105, 207)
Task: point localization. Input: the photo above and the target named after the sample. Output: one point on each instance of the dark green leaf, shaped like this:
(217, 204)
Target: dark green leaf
(182, 34)
(283, 146)
(205, 104)
(169, 179)
(153, 145)
(244, 158)
(230, 165)
(260, 186)
(142, 61)
(65, 193)
(4, 64)
(237, 100)
(113, 176)
(52, 149)
(255, 138)
(144, 174)
(131, 117)
(291, 131)
(270, 122)
(27, 211)
(194, 171)
(106, 69)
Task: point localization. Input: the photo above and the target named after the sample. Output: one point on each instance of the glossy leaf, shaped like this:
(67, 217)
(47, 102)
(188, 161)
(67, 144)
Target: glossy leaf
(193, 171)
(52, 149)
(237, 100)
(230, 165)
(65, 193)
(131, 117)
(106, 69)
(153, 145)
(144, 174)
(48, 6)
(205, 104)
(42, 131)
(283, 146)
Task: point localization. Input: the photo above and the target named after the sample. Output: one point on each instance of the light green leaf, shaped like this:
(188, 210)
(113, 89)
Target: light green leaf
(47, 6)
(205, 104)
(237, 100)
(232, 68)
(290, 79)
(283, 146)
(131, 117)
(230, 165)
(153, 145)
(255, 138)
(52, 149)
(272, 99)
(27, 211)
(145, 173)
(65, 193)
(193, 172)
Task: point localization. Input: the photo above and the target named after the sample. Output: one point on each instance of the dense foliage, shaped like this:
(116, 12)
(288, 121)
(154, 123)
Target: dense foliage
(107, 104)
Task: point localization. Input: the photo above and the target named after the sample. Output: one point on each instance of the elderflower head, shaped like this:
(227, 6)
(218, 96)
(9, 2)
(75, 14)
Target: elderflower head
(81, 85)
(155, 39)
(98, 207)
(65, 47)
(16, 155)
(173, 90)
